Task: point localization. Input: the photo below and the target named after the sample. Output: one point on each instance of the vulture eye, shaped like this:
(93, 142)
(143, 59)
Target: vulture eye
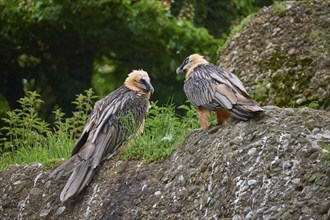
(186, 61)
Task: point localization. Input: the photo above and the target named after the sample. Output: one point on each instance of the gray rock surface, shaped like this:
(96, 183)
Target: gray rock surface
(282, 55)
(275, 166)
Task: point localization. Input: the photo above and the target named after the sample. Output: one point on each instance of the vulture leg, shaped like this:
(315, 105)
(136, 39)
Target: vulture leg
(222, 116)
(203, 116)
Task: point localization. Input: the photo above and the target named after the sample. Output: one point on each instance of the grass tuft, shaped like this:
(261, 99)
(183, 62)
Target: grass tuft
(163, 133)
(280, 8)
(49, 156)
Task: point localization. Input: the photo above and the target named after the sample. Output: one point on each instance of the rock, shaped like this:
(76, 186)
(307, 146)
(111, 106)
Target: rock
(252, 182)
(4, 196)
(296, 180)
(175, 208)
(288, 52)
(122, 167)
(326, 134)
(252, 151)
(44, 213)
(324, 207)
(292, 51)
(60, 210)
(282, 172)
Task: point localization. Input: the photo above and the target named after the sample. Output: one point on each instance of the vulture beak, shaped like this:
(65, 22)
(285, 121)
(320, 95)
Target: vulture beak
(150, 88)
(183, 66)
(146, 85)
(179, 70)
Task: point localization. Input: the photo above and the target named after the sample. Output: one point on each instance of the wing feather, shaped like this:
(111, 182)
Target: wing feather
(226, 91)
(74, 183)
(87, 151)
(204, 91)
(227, 78)
(103, 141)
(199, 91)
(223, 100)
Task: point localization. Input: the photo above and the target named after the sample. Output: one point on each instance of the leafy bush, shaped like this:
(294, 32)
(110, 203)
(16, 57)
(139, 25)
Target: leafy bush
(25, 128)
(28, 138)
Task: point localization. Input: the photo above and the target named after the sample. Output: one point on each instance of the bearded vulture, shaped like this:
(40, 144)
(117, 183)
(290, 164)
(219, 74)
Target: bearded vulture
(211, 88)
(113, 120)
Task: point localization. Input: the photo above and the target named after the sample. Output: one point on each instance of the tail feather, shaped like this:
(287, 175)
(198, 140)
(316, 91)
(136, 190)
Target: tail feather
(239, 114)
(87, 179)
(245, 112)
(80, 177)
(66, 167)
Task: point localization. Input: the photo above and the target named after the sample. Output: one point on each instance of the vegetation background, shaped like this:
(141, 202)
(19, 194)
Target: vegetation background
(58, 49)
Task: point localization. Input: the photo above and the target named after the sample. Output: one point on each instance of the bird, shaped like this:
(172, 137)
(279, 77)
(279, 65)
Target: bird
(210, 88)
(112, 121)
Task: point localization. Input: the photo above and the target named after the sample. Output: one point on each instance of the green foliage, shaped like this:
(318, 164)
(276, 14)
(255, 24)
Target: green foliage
(24, 127)
(218, 17)
(313, 105)
(49, 155)
(64, 46)
(279, 8)
(164, 131)
(84, 105)
(246, 6)
(28, 138)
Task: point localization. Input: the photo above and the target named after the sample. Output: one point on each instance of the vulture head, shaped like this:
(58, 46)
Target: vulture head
(191, 62)
(139, 81)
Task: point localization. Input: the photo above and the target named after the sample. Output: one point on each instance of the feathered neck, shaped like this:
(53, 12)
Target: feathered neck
(194, 61)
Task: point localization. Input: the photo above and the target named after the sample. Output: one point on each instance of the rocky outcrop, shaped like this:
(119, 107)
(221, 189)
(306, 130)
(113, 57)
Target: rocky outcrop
(275, 166)
(282, 54)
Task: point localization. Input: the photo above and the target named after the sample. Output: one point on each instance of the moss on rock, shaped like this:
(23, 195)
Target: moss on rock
(285, 80)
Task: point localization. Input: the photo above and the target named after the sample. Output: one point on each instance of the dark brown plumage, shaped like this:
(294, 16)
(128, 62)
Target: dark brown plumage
(105, 131)
(210, 88)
